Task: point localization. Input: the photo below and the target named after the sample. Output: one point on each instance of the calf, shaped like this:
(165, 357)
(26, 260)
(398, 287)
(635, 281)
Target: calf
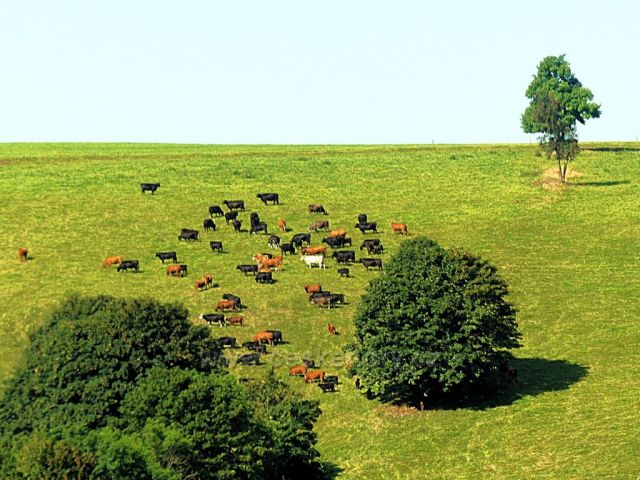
(298, 370)
(331, 328)
(321, 225)
(23, 253)
(247, 269)
(372, 263)
(230, 216)
(313, 261)
(298, 238)
(215, 246)
(249, 359)
(167, 256)
(312, 289)
(313, 375)
(235, 321)
(287, 248)
(208, 279)
(315, 208)
(128, 265)
(321, 250)
(200, 284)
(230, 296)
(345, 256)
(115, 260)
(258, 227)
(277, 336)
(327, 387)
(227, 342)
(274, 241)
(215, 210)
(188, 234)
(269, 197)
(282, 225)
(367, 227)
(208, 225)
(149, 187)
(226, 305)
(212, 318)
(234, 204)
(264, 277)
(236, 226)
(400, 228)
(343, 272)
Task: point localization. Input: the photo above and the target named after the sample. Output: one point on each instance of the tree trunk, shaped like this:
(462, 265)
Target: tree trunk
(560, 174)
(564, 170)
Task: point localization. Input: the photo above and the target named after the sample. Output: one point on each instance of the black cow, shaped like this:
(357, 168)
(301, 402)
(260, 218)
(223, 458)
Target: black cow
(227, 342)
(188, 234)
(229, 216)
(338, 298)
(344, 256)
(327, 387)
(287, 248)
(334, 242)
(149, 187)
(208, 225)
(371, 263)
(166, 256)
(229, 296)
(215, 210)
(331, 379)
(256, 347)
(298, 238)
(269, 197)
(183, 270)
(370, 241)
(212, 318)
(254, 217)
(367, 227)
(249, 359)
(316, 295)
(248, 268)
(277, 336)
(362, 218)
(258, 227)
(264, 277)
(234, 204)
(237, 224)
(343, 272)
(375, 249)
(128, 265)
(274, 241)
(216, 246)
(309, 363)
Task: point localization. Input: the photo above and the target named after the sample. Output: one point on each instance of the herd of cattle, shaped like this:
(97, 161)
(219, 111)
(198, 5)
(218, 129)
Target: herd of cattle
(264, 266)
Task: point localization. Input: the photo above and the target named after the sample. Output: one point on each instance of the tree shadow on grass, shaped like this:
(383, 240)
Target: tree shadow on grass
(613, 149)
(535, 376)
(330, 471)
(609, 183)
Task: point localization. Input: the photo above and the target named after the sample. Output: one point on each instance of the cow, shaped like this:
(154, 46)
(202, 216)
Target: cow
(166, 256)
(200, 284)
(269, 197)
(274, 241)
(362, 218)
(208, 279)
(215, 246)
(372, 263)
(309, 363)
(226, 305)
(235, 321)
(264, 277)
(344, 256)
(23, 253)
(331, 379)
(338, 232)
(237, 225)
(367, 227)
(277, 336)
(263, 337)
(315, 208)
(227, 342)
(327, 387)
(115, 260)
(313, 261)
(275, 262)
(215, 210)
(149, 187)
(375, 249)
(370, 241)
(298, 238)
(234, 204)
(254, 217)
(258, 227)
(287, 248)
(331, 328)
(314, 296)
(327, 301)
(235, 298)
(174, 270)
(128, 265)
(208, 224)
(282, 225)
(321, 225)
(248, 269)
(212, 318)
(343, 272)
(314, 375)
(312, 289)
(188, 234)
(249, 359)
(259, 257)
(400, 228)
(230, 216)
(320, 250)
(298, 370)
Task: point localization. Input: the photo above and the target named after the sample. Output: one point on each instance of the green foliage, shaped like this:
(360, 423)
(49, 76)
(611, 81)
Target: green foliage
(558, 101)
(436, 322)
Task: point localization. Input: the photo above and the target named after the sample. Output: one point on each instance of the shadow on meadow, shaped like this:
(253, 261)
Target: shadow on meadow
(613, 149)
(609, 183)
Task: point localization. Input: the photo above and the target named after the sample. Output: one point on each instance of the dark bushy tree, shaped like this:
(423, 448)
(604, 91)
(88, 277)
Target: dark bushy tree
(436, 322)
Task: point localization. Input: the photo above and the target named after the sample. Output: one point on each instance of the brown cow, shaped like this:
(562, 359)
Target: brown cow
(312, 289)
(275, 262)
(298, 370)
(315, 208)
(208, 279)
(282, 225)
(258, 257)
(400, 228)
(174, 270)
(115, 260)
(331, 328)
(321, 225)
(235, 321)
(226, 305)
(314, 375)
(263, 337)
(23, 252)
(200, 284)
(314, 250)
(339, 232)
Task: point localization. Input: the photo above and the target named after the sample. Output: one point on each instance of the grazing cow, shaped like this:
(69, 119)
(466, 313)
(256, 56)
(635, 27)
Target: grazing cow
(235, 321)
(230, 216)
(375, 249)
(263, 337)
(188, 234)
(338, 232)
(331, 328)
(309, 363)
(362, 218)
(258, 227)
(298, 238)
(327, 387)
(235, 298)
(166, 256)
(128, 265)
(372, 263)
(367, 227)
(315, 208)
(208, 225)
(264, 277)
(216, 246)
(313, 297)
(400, 228)
(215, 210)
(212, 318)
(23, 253)
(343, 272)
(312, 289)
(226, 305)
(247, 269)
(345, 256)
(282, 225)
(200, 284)
(287, 248)
(176, 270)
(370, 241)
(237, 225)
(269, 197)
(274, 241)
(313, 375)
(313, 261)
(149, 187)
(115, 260)
(234, 204)
(321, 225)
(298, 370)
(227, 342)
(321, 250)
(249, 359)
(277, 336)
(275, 262)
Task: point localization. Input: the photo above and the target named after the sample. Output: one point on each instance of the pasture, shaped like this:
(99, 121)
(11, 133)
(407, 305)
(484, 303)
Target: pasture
(569, 255)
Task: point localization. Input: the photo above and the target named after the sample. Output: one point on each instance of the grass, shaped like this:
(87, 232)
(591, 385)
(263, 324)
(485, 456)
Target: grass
(570, 256)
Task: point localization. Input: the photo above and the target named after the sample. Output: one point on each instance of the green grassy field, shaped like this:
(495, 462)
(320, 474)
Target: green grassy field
(569, 255)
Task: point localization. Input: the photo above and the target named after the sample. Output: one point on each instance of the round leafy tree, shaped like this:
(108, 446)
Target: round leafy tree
(436, 322)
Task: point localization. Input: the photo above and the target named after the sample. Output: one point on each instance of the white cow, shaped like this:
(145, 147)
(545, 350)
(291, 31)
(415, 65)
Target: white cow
(313, 260)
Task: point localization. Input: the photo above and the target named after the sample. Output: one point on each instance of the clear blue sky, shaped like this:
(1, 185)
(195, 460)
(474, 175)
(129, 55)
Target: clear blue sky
(305, 71)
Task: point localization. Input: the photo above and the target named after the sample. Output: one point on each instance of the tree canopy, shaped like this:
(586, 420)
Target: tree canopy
(436, 322)
(557, 101)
